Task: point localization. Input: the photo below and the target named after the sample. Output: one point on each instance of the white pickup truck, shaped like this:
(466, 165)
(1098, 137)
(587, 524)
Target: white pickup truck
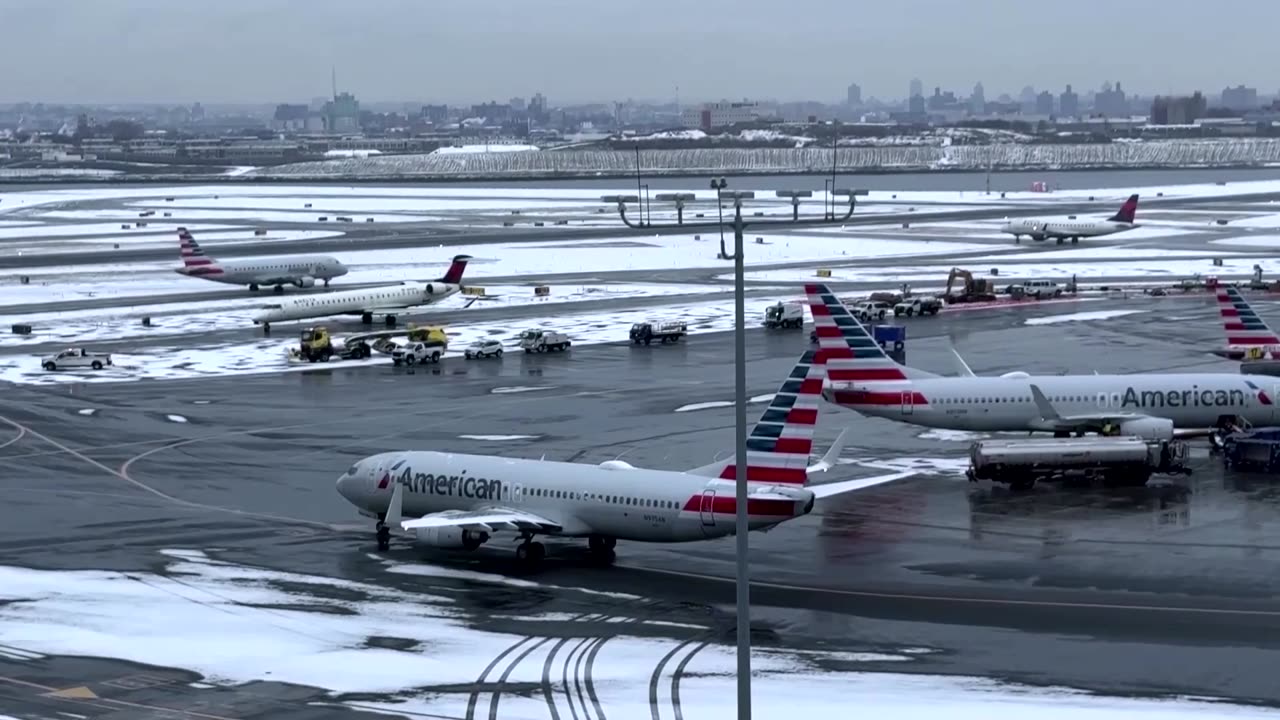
(416, 352)
(76, 358)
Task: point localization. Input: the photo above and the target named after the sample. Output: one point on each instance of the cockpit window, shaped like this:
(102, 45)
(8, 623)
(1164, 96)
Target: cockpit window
(352, 470)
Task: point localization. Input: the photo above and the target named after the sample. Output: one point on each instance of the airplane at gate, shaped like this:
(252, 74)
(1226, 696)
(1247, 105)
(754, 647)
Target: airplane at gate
(1041, 229)
(863, 378)
(1248, 335)
(298, 270)
(453, 500)
(389, 300)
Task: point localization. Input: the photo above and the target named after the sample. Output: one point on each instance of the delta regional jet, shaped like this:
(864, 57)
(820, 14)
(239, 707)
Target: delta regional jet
(1153, 406)
(459, 501)
(297, 270)
(1041, 229)
(388, 300)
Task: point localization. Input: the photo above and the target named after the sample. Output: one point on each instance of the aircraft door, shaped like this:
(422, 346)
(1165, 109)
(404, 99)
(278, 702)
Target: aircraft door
(907, 407)
(519, 493)
(706, 508)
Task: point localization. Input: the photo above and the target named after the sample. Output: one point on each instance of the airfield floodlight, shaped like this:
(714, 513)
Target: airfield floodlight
(743, 581)
(795, 196)
(679, 199)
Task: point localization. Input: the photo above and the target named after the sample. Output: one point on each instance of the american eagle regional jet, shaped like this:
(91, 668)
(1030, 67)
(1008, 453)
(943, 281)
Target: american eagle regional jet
(1150, 405)
(1041, 229)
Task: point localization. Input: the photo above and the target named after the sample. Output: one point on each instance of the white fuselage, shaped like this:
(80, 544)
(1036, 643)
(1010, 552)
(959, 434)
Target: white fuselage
(1045, 229)
(302, 271)
(612, 499)
(1006, 404)
(379, 300)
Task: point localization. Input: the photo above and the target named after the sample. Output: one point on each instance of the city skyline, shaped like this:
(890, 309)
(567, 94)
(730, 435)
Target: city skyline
(141, 51)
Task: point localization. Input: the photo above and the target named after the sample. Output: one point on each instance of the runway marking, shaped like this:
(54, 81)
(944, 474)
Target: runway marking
(80, 698)
(22, 432)
(873, 594)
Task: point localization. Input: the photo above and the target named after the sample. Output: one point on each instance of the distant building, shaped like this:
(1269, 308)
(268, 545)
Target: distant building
(915, 105)
(1044, 103)
(1178, 110)
(290, 118)
(435, 114)
(342, 113)
(853, 95)
(517, 104)
(917, 88)
(978, 100)
(1069, 103)
(714, 115)
(1111, 102)
(1240, 98)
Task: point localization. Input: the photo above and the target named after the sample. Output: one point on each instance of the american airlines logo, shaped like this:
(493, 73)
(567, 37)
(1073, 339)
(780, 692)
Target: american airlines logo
(452, 485)
(1186, 398)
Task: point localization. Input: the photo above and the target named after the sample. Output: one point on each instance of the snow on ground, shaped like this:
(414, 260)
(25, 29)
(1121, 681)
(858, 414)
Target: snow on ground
(1166, 270)
(174, 319)
(240, 216)
(1076, 317)
(577, 196)
(472, 149)
(146, 239)
(352, 205)
(990, 230)
(1107, 252)
(269, 355)
(665, 252)
(1257, 241)
(100, 229)
(235, 624)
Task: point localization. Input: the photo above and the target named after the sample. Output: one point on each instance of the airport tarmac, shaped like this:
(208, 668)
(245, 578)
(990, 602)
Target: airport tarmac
(1165, 589)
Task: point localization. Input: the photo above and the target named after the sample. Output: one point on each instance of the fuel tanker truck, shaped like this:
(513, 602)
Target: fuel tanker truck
(1116, 461)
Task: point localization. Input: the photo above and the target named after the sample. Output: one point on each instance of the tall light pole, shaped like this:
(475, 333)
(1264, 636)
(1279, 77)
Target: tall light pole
(740, 404)
(719, 184)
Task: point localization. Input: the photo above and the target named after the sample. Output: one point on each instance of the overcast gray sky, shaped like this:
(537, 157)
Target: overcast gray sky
(579, 50)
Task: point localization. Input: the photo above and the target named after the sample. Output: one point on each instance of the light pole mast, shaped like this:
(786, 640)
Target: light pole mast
(741, 480)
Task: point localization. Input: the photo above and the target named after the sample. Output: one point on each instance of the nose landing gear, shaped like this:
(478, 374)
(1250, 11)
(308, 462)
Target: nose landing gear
(383, 533)
(530, 553)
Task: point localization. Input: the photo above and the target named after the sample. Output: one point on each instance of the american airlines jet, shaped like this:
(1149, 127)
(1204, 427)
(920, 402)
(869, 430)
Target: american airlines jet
(389, 300)
(1151, 405)
(458, 501)
(298, 270)
(1040, 229)
(1248, 336)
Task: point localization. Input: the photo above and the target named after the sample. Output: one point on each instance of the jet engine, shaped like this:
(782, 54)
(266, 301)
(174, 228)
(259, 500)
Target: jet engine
(1148, 428)
(451, 537)
(305, 281)
(431, 289)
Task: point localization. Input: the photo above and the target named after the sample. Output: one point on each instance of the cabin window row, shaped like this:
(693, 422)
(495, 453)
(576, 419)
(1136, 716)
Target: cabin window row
(597, 497)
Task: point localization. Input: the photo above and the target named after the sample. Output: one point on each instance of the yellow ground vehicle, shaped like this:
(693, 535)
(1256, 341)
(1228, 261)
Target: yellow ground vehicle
(316, 345)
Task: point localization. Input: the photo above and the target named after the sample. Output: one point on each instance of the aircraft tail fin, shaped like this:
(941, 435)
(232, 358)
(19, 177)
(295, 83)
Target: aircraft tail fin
(1128, 211)
(194, 261)
(454, 275)
(849, 351)
(1045, 407)
(1243, 325)
(779, 445)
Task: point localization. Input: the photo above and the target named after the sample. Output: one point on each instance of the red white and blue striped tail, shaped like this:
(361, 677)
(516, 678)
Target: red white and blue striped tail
(849, 351)
(193, 258)
(1243, 326)
(779, 445)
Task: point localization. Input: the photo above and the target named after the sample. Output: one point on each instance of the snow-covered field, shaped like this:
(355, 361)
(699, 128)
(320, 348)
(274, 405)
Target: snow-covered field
(239, 216)
(1164, 269)
(148, 238)
(532, 260)
(176, 319)
(234, 624)
(269, 356)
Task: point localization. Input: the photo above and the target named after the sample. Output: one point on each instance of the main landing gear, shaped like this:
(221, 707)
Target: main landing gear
(601, 548)
(530, 553)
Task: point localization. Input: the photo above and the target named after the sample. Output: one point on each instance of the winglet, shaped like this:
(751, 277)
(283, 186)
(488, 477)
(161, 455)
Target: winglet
(828, 460)
(1043, 405)
(395, 509)
(965, 370)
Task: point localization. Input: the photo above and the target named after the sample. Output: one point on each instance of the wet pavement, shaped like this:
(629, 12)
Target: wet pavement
(1167, 588)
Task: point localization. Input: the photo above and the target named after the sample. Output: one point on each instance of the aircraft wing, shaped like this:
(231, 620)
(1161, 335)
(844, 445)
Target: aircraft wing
(486, 520)
(1093, 422)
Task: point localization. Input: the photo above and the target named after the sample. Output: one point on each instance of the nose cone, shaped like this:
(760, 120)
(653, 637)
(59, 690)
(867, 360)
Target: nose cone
(342, 270)
(349, 486)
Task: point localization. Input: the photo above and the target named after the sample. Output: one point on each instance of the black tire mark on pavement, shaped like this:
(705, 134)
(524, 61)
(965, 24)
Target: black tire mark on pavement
(475, 693)
(577, 676)
(591, 686)
(655, 678)
(547, 692)
(675, 679)
(497, 693)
